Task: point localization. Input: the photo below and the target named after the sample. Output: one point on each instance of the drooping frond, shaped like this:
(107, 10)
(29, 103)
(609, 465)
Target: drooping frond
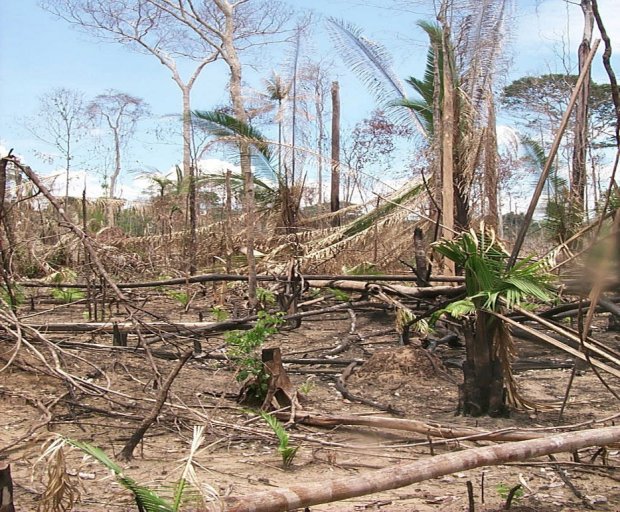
(265, 195)
(227, 128)
(373, 65)
(480, 34)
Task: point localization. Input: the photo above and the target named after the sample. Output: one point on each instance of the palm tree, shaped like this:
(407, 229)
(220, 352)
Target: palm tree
(278, 90)
(229, 130)
(492, 286)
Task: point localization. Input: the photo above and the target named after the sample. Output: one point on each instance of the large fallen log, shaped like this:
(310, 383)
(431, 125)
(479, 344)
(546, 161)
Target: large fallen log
(407, 291)
(426, 429)
(213, 278)
(327, 491)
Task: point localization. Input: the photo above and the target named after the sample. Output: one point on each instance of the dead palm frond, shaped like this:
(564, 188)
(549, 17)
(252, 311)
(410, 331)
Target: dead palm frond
(373, 64)
(61, 492)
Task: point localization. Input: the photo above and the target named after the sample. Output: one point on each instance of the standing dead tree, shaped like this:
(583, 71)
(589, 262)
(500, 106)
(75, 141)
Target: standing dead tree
(145, 28)
(118, 112)
(335, 176)
(61, 124)
(228, 28)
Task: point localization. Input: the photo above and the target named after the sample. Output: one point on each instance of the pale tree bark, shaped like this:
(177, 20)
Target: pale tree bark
(335, 175)
(120, 113)
(228, 27)
(231, 57)
(145, 27)
(447, 146)
(328, 491)
(579, 172)
(319, 108)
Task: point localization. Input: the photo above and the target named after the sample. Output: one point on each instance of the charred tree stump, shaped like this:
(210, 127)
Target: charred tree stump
(280, 390)
(482, 391)
(119, 338)
(421, 264)
(6, 488)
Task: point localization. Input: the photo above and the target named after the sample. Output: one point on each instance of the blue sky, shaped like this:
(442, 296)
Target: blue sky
(39, 52)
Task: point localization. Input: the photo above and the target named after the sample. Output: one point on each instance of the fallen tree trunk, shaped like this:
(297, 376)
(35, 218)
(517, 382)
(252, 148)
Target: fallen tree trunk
(327, 491)
(408, 425)
(407, 291)
(212, 278)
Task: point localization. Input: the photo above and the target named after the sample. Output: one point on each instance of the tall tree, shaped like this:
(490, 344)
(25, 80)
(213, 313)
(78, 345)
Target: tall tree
(335, 182)
(119, 113)
(61, 123)
(145, 27)
(227, 28)
(578, 178)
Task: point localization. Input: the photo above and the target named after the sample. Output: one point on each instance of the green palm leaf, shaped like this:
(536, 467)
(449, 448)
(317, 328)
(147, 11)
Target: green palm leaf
(229, 129)
(146, 499)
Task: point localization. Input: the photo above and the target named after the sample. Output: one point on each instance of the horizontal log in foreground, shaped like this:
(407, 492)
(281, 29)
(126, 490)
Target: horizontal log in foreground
(213, 278)
(327, 491)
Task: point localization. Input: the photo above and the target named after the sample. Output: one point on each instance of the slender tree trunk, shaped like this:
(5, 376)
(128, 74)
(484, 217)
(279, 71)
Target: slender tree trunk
(114, 177)
(447, 147)
(117, 163)
(335, 185)
(228, 222)
(189, 173)
(579, 173)
(490, 167)
(231, 57)
(67, 170)
(321, 135)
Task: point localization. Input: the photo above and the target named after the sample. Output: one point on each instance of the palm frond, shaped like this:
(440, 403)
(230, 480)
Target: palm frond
(227, 128)
(366, 221)
(146, 498)
(372, 63)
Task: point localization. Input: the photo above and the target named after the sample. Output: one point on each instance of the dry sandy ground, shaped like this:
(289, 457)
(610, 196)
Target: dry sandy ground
(239, 454)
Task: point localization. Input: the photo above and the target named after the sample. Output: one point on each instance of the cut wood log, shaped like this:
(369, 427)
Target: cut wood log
(327, 491)
(407, 291)
(408, 425)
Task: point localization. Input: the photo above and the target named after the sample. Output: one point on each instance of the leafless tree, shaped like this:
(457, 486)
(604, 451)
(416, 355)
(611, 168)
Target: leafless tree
(228, 28)
(579, 173)
(335, 182)
(61, 124)
(119, 113)
(145, 28)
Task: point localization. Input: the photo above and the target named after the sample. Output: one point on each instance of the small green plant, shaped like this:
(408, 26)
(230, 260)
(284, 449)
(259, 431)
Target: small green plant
(67, 295)
(287, 452)
(265, 297)
(219, 313)
(307, 386)
(339, 295)
(242, 347)
(509, 493)
(18, 296)
(182, 297)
